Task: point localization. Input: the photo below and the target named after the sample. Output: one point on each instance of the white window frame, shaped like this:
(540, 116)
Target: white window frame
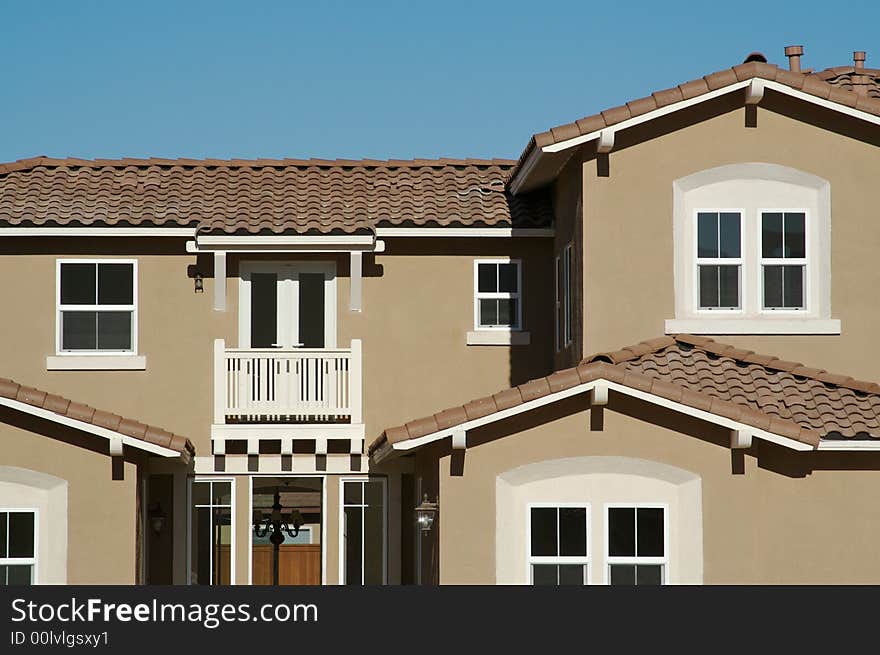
(33, 562)
(531, 560)
(362, 506)
(478, 295)
(663, 561)
(739, 262)
(783, 261)
(189, 527)
(133, 308)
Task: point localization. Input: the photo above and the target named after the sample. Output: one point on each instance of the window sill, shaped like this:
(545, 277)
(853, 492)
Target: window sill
(753, 326)
(498, 338)
(96, 363)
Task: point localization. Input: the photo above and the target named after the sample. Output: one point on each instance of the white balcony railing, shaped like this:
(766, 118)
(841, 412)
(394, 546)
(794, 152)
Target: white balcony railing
(302, 385)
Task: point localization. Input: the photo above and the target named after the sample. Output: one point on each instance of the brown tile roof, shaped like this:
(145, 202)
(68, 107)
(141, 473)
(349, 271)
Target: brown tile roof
(268, 196)
(834, 84)
(765, 392)
(64, 407)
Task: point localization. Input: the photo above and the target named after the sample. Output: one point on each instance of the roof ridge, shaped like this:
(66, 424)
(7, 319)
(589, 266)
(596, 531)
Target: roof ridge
(769, 362)
(57, 162)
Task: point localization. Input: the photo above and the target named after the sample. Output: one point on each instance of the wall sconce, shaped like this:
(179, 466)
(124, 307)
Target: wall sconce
(425, 514)
(199, 284)
(156, 517)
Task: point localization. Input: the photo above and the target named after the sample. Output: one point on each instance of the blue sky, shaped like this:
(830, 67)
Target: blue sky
(368, 79)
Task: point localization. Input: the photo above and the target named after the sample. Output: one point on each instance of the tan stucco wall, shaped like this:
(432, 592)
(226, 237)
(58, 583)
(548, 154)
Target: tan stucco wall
(101, 512)
(768, 525)
(628, 238)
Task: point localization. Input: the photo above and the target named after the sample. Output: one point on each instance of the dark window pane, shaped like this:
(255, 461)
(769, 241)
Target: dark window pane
(544, 531)
(507, 278)
(311, 310)
(729, 227)
(488, 311)
(772, 286)
(352, 493)
(708, 286)
(728, 286)
(544, 574)
(771, 235)
(18, 574)
(201, 546)
(222, 545)
(571, 574)
(79, 330)
(506, 311)
(374, 494)
(707, 234)
(650, 532)
(221, 493)
(115, 284)
(793, 286)
(3, 519)
(487, 277)
(572, 531)
(21, 534)
(353, 528)
(795, 235)
(623, 574)
(114, 330)
(201, 493)
(77, 284)
(622, 531)
(649, 574)
(374, 545)
(264, 310)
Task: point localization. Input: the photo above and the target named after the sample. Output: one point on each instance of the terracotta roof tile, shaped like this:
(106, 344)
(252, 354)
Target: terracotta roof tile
(80, 412)
(267, 196)
(762, 391)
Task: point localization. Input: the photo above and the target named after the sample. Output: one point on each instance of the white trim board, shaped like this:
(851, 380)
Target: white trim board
(97, 232)
(286, 243)
(110, 435)
(503, 232)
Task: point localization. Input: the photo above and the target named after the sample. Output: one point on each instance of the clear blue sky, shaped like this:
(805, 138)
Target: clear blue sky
(368, 79)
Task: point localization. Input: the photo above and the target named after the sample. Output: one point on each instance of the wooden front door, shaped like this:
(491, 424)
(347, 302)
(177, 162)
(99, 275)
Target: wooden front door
(298, 564)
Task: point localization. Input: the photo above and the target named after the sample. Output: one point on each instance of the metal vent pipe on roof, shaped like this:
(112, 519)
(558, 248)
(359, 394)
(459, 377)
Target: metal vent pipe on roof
(794, 52)
(859, 59)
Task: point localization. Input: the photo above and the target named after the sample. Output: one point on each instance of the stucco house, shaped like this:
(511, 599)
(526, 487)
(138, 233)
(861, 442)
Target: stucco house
(642, 354)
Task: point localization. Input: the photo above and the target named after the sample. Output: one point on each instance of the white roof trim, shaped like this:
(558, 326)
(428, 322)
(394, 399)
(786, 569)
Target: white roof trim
(110, 435)
(463, 232)
(409, 444)
(97, 231)
(285, 243)
(763, 84)
(849, 445)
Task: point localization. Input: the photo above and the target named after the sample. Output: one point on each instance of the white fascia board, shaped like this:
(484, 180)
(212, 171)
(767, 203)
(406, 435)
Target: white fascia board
(298, 243)
(288, 431)
(97, 231)
(110, 435)
(463, 232)
(583, 388)
(844, 445)
(827, 104)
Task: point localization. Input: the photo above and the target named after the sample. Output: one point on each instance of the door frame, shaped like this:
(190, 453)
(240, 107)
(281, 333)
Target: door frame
(293, 268)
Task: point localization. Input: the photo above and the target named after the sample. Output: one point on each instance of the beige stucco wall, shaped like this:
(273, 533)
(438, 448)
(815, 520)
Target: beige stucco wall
(101, 512)
(628, 239)
(787, 519)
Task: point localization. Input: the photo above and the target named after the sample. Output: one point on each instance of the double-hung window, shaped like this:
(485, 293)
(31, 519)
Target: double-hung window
(783, 259)
(719, 260)
(559, 544)
(497, 294)
(363, 532)
(636, 545)
(97, 306)
(18, 547)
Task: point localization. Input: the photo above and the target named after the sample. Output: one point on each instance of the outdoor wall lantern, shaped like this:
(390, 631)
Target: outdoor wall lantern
(199, 284)
(275, 525)
(425, 514)
(156, 516)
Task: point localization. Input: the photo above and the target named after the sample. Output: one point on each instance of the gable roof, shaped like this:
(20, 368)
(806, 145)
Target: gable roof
(762, 391)
(846, 86)
(82, 416)
(265, 195)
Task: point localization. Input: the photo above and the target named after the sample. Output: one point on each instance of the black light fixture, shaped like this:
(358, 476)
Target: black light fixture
(278, 524)
(156, 517)
(425, 514)
(199, 284)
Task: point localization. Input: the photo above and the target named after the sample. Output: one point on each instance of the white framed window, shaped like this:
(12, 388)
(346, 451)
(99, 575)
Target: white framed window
(636, 544)
(497, 294)
(96, 307)
(563, 298)
(776, 279)
(212, 537)
(558, 544)
(18, 546)
(784, 261)
(363, 532)
(718, 260)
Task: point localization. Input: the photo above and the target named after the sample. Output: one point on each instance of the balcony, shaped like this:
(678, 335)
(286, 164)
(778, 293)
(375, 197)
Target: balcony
(287, 395)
